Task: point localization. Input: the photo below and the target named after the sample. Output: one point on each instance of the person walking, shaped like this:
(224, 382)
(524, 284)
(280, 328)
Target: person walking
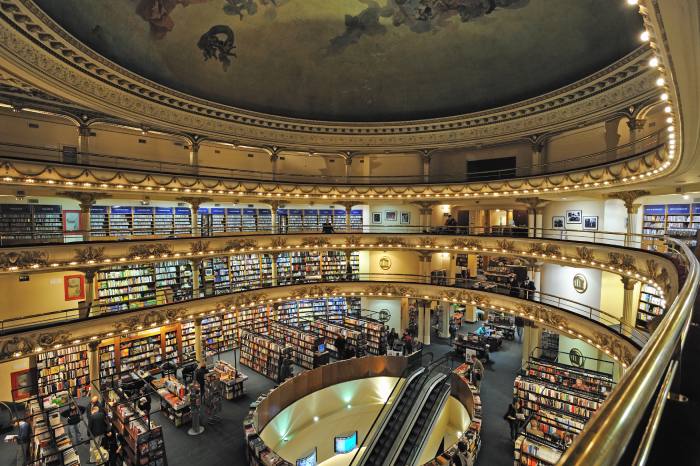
(73, 414)
(144, 403)
(453, 332)
(478, 370)
(97, 426)
(512, 417)
(519, 324)
(24, 436)
(199, 376)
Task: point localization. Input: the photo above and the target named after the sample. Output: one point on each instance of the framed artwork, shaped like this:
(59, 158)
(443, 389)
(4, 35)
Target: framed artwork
(376, 218)
(590, 223)
(390, 215)
(558, 223)
(74, 287)
(71, 220)
(405, 218)
(573, 216)
(22, 384)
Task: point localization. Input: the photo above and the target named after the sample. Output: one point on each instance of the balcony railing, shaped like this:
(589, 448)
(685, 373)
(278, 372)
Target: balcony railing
(27, 153)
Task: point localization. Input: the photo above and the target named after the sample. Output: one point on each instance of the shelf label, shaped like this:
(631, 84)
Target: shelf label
(217, 211)
(325, 212)
(203, 210)
(47, 209)
(233, 211)
(281, 211)
(658, 209)
(678, 209)
(164, 210)
(265, 212)
(143, 210)
(98, 209)
(339, 212)
(182, 211)
(120, 210)
(249, 212)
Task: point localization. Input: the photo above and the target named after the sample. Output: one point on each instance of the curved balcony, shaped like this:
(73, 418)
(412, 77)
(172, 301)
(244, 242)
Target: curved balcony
(643, 159)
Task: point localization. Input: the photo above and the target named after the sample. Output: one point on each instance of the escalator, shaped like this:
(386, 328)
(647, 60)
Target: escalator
(424, 423)
(414, 406)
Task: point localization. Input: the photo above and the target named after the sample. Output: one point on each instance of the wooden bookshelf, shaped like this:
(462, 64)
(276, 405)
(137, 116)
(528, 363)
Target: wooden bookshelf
(126, 287)
(304, 345)
(650, 306)
(63, 369)
(374, 333)
(263, 354)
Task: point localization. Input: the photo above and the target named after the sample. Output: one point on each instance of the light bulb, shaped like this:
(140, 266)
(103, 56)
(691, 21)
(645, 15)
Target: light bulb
(654, 62)
(660, 82)
(667, 109)
(664, 96)
(632, 2)
(644, 37)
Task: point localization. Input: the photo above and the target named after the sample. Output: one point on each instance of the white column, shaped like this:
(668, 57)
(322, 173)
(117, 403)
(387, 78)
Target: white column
(631, 239)
(273, 164)
(629, 313)
(421, 321)
(537, 157)
(445, 321)
(539, 211)
(194, 156)
(93, 367)
(195, 264)
(199, 354)
(348, 168)
(426, 326)
(532, 337)
(531, 223)
(426, 165)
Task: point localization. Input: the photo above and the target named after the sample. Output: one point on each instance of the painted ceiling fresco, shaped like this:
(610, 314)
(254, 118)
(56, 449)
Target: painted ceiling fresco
(356, 60)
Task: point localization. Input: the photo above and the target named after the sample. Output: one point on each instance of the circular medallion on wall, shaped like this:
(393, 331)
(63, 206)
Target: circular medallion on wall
(580, 283)
(576, 357)
(384, 263)
(384, 316)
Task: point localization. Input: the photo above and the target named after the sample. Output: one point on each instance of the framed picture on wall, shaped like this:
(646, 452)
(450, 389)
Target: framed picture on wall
(405, 218)
(558, 223)
(390, 216)
(376, 218)
(22, 383)
(74, 287)
(71, 220)
(573, 216)
(590, 223)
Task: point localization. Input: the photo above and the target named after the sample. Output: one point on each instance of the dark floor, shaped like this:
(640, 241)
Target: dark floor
(222, 442)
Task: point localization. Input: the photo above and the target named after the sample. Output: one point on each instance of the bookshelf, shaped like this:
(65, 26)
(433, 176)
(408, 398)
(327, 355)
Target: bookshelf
(50, 444)
(680, 221)
(177, 276)
(99, 221)
(263, 354)
(246, 271)
(126, 287)
(214, 276)
(48, 222)
(233, 220)
(63, 369)
(265, 220)
(163, 221)
(253, 319)
(356, 220)
(218, 219)
(295, 221)
(249, 220)
(141, 437)
(651, 305)
(108, 365)
(310, 220)
(120, 221)
(143, 221)
(569, 376)
(187, 331)
(550, 345)
(339, 219)
(171, 350)
(374, 333)
(334, 265)
(182, 220)
(332, 331)
(304, 345)
(140, 353)
(16, 221)
(325, 216)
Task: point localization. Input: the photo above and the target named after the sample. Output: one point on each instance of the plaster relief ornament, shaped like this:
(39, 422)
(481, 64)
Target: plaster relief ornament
(218, 43)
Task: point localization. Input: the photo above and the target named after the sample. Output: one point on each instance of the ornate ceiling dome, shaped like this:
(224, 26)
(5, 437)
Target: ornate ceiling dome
(356, 60)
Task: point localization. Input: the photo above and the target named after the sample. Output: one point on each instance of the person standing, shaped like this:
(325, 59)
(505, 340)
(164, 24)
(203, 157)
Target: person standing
(113, 444)
(478, 370)
(340, 344)
(531, 290)
(24, 436)
(199, 376)
(72, 414)
(453, 332)
(512, 417)
(519, 324)
(144, 404)
(97, 426)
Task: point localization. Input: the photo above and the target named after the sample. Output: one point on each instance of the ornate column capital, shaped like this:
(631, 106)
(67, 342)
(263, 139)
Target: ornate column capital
(534, 204)
(427, 154)
(83, 130)
(425, 256)
(90, 273)
(274, 205)
(347, 204)
(93, 345)
(195, 202)
(85, 199)
(628, 283)
(628, 197)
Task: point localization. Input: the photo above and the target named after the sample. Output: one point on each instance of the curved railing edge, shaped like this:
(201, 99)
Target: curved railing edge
(608, 432)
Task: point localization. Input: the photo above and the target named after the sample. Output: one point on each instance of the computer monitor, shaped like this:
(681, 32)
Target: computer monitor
(346, 442)
(321, 347)
(308, 460)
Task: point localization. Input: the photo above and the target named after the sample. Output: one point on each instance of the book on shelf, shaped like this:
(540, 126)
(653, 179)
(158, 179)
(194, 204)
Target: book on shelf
(63, 369)
(120, 221)
(143, 353)
(233, 220)
(163, 221)
(263, 354)
(182, 220)
(249, 220)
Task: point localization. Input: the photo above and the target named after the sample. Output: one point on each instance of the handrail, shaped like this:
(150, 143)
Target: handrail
(29, 153)
(404, 374)
(10, 238)
(589, 312)
(608, 432)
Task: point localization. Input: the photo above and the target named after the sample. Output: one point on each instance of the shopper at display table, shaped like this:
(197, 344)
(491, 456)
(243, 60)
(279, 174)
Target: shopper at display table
(22, 439)
(200, 376)
(97, 426)
(73, 413)
(112, 443)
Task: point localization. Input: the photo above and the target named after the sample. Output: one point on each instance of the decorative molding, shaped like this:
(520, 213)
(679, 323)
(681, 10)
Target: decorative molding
(27, 258)
(241, 244)
(90, 254)
(628, 197)
(199, 247)
(150, 250)
(37, 50)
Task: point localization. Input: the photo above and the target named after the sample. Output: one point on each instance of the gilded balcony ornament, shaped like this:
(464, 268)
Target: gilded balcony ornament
(315, 242)
(241, 244)
(10, 347)
(146, 250)
(315, 290)
(23, 259)
(352, 241)
(279, 242)
(507, 246)
(613, 346)
(462, 243)
(552, 250)
(585, 254)
(244, 299)
(622, 261)
(90, 254)
(393, 242)
(536, 248)
(391, 289)
(426, 243)
(541, 314)
(199, 246)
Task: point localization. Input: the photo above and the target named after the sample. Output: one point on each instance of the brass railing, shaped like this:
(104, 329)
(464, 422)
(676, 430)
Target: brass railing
(607, 434)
